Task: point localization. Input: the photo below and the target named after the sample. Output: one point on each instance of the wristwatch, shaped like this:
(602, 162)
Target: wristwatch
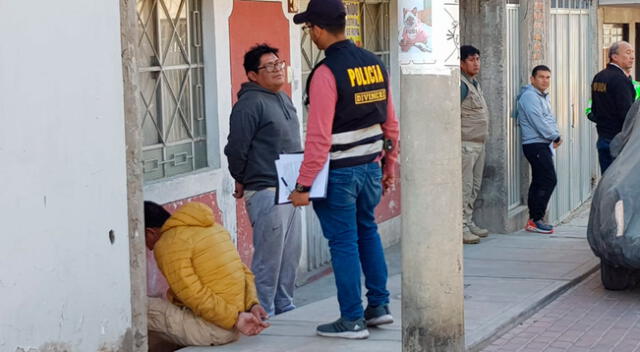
(302, 189)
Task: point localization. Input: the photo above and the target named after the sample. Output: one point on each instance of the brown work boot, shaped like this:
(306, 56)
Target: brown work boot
(477, 230)
(468, 237)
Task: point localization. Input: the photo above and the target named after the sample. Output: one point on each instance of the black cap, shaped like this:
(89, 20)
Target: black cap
(323, 12)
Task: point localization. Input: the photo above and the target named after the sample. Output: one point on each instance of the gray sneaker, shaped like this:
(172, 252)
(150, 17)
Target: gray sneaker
(477, 230)
(378, 315)
(345, 329)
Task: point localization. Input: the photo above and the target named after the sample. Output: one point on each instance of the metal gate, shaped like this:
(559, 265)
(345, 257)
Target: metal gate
(317, 249)
(514, 150)
(572, 51)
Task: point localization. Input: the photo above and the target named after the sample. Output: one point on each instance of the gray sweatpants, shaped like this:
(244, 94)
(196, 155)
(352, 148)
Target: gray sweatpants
(277, 246)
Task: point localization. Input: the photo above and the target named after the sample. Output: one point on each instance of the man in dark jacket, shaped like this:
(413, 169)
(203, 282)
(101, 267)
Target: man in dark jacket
(612, 93)
(263, 125)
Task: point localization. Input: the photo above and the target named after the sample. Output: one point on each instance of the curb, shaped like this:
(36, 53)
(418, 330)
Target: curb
(530, 311)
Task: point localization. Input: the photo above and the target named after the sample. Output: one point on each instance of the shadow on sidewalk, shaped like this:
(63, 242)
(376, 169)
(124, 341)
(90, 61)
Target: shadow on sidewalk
(507, 279)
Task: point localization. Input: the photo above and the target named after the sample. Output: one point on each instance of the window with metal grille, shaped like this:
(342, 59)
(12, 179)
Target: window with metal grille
(375, 28)
(171, 77)
(611, 33)
(570, 4)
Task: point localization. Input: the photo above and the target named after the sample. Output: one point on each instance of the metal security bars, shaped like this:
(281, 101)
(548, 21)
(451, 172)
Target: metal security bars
(375, 28)
(514, 153)
(570, 4)
(171, 76)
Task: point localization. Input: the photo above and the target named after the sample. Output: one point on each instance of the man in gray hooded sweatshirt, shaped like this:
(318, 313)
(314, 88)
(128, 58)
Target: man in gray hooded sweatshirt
(540, 138)
(264, 124)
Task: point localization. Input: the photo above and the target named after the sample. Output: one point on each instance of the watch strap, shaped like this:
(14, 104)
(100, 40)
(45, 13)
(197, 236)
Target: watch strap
(302, 189)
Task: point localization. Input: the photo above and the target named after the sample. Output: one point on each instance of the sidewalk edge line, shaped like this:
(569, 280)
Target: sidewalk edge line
(533, 309)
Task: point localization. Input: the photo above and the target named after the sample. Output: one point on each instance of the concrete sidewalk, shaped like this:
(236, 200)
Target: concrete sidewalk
(507, 278)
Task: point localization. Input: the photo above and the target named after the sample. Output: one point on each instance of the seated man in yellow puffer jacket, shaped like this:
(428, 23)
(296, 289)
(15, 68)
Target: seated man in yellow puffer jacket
(212, 295)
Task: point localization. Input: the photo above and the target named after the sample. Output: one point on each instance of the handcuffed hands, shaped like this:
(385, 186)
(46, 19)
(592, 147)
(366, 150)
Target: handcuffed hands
(248, 324)
(259, 312)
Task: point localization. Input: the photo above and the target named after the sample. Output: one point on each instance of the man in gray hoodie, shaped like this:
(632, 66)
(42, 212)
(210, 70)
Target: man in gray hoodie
(540, 138)
(264, 124)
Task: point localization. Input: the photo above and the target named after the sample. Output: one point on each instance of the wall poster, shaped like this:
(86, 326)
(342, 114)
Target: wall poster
(428, 36)
(415, 35)
(353, 29)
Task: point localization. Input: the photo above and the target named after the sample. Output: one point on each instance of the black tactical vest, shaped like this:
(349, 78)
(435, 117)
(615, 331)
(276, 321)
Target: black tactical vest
(362, 87)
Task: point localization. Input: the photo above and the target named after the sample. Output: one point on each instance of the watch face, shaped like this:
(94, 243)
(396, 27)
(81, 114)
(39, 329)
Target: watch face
(300, 188)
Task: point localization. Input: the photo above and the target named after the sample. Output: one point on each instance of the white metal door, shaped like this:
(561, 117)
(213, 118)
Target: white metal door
(571, 56)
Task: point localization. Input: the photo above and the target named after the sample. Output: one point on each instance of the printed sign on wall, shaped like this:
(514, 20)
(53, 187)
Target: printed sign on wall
(428, 36)
(353, 29)
(415, 27)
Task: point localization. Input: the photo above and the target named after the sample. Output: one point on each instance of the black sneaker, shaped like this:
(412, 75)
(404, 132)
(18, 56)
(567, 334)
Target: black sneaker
(378, 315)
(346, 329)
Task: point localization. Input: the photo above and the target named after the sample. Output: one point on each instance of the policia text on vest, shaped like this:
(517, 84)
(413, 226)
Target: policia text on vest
(364, 76)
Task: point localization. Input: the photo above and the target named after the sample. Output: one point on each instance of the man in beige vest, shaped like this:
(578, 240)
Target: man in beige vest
(474, 117)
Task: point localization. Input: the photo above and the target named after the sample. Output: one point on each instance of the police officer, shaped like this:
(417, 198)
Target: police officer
(612, 93)
(588, 110)
(351, 121)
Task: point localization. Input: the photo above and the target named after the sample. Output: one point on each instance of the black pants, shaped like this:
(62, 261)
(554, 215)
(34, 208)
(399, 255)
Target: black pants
(543, 178)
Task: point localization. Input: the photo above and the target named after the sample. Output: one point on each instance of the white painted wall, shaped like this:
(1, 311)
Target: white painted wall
(62, 180)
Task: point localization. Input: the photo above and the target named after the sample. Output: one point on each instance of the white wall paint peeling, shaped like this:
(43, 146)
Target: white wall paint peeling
(63, 178)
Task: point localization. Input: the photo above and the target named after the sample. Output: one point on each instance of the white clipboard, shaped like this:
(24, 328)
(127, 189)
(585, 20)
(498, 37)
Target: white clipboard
(288, 169)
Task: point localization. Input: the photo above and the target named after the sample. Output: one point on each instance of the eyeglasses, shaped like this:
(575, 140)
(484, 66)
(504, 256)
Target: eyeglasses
(273, 66)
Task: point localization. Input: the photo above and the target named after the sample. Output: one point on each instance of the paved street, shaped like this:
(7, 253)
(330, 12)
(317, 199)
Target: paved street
(507, 277)
(586, 318)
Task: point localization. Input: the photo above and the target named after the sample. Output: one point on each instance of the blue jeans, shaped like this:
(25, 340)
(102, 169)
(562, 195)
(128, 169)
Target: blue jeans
(348, 222)
(604, 153)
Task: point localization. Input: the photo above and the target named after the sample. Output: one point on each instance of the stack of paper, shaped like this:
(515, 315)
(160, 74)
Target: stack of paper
(288, 168)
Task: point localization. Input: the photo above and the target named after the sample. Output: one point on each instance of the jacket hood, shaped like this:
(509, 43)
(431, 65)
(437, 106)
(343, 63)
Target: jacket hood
(251, 100)
(526, 88)
(523, 89)
(252, 87)
(191, 214)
